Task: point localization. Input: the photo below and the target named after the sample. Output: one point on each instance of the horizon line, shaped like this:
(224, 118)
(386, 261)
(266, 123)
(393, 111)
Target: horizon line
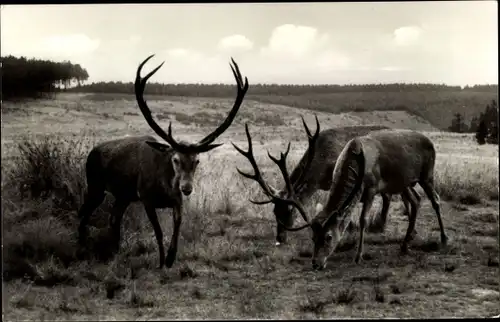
(299, 84)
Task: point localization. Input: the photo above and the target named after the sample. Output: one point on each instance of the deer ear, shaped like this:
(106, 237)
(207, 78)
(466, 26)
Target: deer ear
(158, 146)
(319, 207)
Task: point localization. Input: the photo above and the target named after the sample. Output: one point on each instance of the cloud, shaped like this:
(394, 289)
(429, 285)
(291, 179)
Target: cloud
(332, 59)
(70, 45)
(183, 55)
(183, 65)
(291, 41)
(57, 47)
(407, 35)
(235, 43)
(298, 52)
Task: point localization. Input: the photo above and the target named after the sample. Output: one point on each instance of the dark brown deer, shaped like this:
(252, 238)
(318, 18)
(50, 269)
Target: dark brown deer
(142, 169)
(327, 146)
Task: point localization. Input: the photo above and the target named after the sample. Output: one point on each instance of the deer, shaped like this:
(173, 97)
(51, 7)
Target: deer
(383, 161)
(142, 169)
(304, 184)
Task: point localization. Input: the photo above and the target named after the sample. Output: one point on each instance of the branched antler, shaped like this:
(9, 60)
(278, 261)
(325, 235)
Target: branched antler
(271, 192)
(203, 145)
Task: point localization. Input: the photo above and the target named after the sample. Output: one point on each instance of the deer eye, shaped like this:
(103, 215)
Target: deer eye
(196, 162)
(328, 238)
(176, 161)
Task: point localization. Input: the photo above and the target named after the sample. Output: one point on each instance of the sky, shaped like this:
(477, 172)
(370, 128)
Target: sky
(286, 43)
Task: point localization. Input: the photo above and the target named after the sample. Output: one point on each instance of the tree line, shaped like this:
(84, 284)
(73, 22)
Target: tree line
(225, 90)
(33, 78)
(22, 77)
(485, 125)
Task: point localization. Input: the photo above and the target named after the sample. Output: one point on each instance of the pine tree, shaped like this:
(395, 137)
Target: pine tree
(492, 125)
(481, 133)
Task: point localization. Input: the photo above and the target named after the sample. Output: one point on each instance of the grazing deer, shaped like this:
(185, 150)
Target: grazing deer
(328, 144)
(143, 169)
(385, 161)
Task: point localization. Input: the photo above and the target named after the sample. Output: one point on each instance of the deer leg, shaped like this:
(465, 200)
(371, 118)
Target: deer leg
(431, 193)
(172, 250)
(408, 195)
(378, 224)
(407, 205)
(153, 218)
(367, 204)
(92, 200)
(416, 194)
(119, 208)
(418, 199)
(408, 210)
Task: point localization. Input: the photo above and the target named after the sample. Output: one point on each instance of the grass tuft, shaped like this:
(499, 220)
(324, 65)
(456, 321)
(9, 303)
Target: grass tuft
(346, 295)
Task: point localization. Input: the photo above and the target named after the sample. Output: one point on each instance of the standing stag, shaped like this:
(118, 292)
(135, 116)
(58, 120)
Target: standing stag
(328, 145)
(143, 169)
(384, 161)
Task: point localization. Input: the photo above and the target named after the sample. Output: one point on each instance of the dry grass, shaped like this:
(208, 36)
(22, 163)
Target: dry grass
(227, 265)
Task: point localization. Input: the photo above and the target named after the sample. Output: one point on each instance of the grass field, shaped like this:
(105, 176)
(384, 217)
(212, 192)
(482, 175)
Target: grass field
(227, 265)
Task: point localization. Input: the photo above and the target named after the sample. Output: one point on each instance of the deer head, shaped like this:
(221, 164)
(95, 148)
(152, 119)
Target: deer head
(185, 157)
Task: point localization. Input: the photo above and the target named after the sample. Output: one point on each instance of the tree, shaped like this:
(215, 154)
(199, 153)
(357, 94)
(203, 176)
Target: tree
(492, 137)
(22, 78)
(481, 133)
(474, 123)
(492, 123)
(457, 124)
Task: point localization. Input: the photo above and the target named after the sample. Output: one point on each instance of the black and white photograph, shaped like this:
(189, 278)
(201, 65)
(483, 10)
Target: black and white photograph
(250, 161)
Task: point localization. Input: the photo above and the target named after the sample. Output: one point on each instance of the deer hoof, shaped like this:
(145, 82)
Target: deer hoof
(404, 249)
(357, 260)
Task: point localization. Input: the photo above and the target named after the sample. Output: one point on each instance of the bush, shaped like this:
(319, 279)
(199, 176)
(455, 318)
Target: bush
(481, 133)
(41, 193)
(52, 166)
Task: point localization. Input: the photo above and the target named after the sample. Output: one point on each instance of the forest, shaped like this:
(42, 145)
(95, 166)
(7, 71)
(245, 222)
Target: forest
(227, 90)
(34, 78)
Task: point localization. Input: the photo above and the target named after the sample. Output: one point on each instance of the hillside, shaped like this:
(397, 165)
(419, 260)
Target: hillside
(74, 113)
(437, 107)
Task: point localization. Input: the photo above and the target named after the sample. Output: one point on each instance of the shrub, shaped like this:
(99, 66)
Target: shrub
(52, 166)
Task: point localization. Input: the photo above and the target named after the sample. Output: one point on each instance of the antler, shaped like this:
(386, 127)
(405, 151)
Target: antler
(310, 152)
(140, 85)
(257, 176)
(271, 192)
(204, 145)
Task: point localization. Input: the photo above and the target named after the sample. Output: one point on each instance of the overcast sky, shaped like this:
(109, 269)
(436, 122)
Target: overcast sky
(440, 42)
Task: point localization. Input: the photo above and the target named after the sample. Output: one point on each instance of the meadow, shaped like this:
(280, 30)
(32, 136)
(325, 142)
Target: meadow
(227, 265)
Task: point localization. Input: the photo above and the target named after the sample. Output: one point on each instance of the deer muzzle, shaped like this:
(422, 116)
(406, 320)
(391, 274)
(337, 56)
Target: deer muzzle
(187, 189)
